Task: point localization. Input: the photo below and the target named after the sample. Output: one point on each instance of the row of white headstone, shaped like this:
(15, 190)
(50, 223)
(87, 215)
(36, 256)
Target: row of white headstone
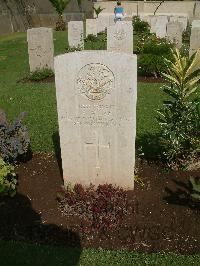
(195, 37)
(41, 48)
(119, 38)
(96, 102)
(119, 35)
(168, 27)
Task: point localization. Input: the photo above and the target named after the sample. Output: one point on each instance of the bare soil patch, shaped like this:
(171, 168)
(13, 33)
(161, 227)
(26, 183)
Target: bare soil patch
(163, 218)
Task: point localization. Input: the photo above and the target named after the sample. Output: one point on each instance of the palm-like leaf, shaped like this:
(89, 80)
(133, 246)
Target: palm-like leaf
(98, 10)
(59, 5)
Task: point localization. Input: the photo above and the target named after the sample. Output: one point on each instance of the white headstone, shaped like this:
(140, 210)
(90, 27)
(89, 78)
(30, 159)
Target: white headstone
(153, 20)
(194, 40)
(40, 48)
(195, 23)
(75, 34)
(174, 33)
(182, 20)
(161, 26)
(96, 102)
(146, 19)
(103, 22)
(111, 20)
(120, 37)
(91, 27)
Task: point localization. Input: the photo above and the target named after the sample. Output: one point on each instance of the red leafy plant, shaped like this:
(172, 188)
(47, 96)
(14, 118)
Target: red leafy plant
(102, 208)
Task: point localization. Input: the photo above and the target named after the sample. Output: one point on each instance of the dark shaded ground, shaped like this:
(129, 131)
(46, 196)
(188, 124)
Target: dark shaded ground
(163, 217)
(52, 79)
(151, 79)
(46, 80)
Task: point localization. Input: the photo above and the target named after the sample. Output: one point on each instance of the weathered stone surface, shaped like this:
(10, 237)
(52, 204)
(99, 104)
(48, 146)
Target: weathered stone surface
(91, 27)
(195, 23)
(152, 21)
(174, 33)
(120, 37)
(75, 34)
(182, 20)
(96, 101)
(194, 40)
(159, 26)
(40, 48)
(102, 23)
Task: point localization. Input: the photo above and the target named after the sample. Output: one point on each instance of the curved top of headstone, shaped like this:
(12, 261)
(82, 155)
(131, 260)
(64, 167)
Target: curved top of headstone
(94, 53)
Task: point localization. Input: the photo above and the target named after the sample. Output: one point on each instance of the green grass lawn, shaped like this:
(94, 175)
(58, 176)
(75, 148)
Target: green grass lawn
(39, 101)
(21, 254)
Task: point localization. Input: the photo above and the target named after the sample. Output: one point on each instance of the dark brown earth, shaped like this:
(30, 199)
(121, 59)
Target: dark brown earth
(163, 216)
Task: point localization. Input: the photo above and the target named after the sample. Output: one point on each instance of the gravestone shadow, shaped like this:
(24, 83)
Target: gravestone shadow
(19, 222)
(181, 196)
(57, 150)
(148, 146)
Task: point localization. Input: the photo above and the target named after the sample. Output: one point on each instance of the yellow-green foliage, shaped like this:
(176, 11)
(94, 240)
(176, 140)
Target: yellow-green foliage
(179, 118)
(8, 179)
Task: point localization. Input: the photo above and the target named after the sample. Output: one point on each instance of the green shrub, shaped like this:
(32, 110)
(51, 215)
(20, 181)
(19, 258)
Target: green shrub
(140, 27)
(96, 43)
(91, 38)
(187, 34)
(152, 51)
(179, 118)
(73, 49)
(8, 179)
(41, 74)
(14, 139)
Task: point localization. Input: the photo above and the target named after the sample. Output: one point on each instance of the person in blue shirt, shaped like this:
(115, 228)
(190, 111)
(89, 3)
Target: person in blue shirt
(119, 12)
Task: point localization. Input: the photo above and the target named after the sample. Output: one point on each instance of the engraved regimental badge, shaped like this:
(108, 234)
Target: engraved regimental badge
(95, 81)
(119, 34)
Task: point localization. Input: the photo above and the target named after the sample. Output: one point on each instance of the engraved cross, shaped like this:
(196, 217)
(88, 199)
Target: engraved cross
(98, 147)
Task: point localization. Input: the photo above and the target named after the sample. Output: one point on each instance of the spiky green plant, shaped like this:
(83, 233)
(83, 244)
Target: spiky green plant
(60, 6)
(98, 10)
(179, 118)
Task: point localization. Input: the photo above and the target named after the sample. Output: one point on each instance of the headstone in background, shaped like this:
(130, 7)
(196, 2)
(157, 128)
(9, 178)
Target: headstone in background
(182, 20)
(111, 20)
(40, 48)
(161, 26)
(195, 23)
(120, 37)
(75, 34)
(91, 27)
(153, 20)
(194, 40)
(96, 102)
(174, 33)
(103, 21)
